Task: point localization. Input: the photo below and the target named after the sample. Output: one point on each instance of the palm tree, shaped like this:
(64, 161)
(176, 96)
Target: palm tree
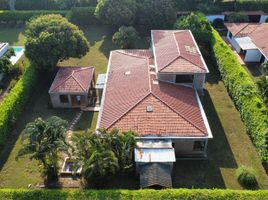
(43, 142)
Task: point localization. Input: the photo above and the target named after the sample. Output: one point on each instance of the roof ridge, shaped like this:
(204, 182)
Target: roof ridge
(131, 108)
(78, 82)
(178, 113)
(176, 42)
(169, 63)
(242, 28)
(193, 62)
(143, 57)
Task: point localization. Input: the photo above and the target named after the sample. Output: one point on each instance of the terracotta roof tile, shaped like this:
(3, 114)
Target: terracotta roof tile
(72, 79)
(176, 51)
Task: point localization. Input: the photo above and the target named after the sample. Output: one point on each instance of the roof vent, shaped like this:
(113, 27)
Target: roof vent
(149, 109)
(127, 73)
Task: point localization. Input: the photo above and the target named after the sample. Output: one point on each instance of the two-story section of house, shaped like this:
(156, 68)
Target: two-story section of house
(153, 92)
(178, 59)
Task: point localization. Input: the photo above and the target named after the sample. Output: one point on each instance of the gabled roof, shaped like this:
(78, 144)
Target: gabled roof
(257, 32)
(177, 52)
(72, 80)
(155, 174)
(131, 87)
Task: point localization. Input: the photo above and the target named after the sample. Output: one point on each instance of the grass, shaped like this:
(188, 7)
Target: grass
(230, 148)
(14, 36)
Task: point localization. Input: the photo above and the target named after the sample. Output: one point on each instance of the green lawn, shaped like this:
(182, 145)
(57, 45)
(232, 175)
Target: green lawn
(14, 36)
(229, 148)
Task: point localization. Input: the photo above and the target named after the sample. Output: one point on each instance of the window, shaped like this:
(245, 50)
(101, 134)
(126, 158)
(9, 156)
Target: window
(230, 35)
(199, 145)
(64, 99)
(184, 78)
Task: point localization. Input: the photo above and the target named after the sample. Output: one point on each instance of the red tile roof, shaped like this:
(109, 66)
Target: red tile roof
(72, 80)
(130, 88)
(176, 51)
(258, 32)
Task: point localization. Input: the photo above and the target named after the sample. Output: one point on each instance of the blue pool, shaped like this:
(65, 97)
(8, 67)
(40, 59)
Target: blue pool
(19, 51)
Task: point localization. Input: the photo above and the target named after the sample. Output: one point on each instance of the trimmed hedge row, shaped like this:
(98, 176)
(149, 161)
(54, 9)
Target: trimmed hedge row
(82, 16)
(14, 103)
(23, 16)
(168, 194)
(244, 93)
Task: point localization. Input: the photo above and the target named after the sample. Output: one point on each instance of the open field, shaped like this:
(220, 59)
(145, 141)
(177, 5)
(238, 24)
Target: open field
(230, 148)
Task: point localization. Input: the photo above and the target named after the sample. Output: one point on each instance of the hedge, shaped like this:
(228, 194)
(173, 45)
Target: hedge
(23, 16)
(82, 16)
(13, 104)
(167, 194)
(244, 93)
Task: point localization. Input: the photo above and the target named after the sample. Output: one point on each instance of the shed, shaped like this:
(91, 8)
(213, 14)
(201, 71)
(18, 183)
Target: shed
(155, 175)
(73, 87)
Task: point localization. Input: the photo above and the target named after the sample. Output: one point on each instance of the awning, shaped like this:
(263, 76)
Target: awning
(154, 155)
(246, 43)
(100, 81)
(155, 175)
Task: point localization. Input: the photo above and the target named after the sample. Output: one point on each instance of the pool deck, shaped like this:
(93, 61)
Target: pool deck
(14, 59)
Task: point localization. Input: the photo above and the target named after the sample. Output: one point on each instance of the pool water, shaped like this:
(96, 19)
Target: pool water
(19, 51)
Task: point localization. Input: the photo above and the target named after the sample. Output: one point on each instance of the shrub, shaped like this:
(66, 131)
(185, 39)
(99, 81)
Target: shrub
(13, 104)
(167, 194)
(262, 84)
(6, 66)
(246, 177)
(125, 37)
(23, 16)
(218, 23)
(237, 17)
(83, 16)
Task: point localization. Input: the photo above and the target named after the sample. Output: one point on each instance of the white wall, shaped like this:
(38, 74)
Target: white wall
(199, 81)
(253, 55)
(4, 49)
(263, 18)
(234, 43)
(211, 18)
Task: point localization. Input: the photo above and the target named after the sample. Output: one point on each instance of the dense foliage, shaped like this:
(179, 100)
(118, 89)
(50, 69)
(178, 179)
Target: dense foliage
(6, 66)
(126, 37)
(43, 141)
(51, 38)
(13, 104)
(23, 16)
(103, 154)
(247, 177)
(82, 16)
(168, 194)
(244, 93)
(237, 17)
(199, 26)
(262, 84)
(116, 12)
(156, 13)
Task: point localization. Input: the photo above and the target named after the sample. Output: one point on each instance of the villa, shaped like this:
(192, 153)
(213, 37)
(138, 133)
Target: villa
(155, 92)
(249, 40)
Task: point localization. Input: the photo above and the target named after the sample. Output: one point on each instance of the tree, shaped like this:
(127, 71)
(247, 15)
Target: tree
(199, 26)
(51, 38)
(6, 66)
(43, 141)
(264, 66)
(262, 84)
(126, 37)
(238, 17)
(116, 12)
(156, 13)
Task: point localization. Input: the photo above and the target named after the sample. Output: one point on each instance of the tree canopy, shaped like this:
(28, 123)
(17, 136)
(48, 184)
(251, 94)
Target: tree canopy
(116, 12)
(51, 38)
(126, 37)
(199, 26)
(44, 139)
(156, 13)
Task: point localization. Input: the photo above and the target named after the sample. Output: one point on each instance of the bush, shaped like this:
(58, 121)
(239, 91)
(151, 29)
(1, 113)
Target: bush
(13, 104)
(218, 23)
(126, 37)
(83, 16)
(167, 194)
(246, 177)
(244, 93)
(262, 84)
(23, 16)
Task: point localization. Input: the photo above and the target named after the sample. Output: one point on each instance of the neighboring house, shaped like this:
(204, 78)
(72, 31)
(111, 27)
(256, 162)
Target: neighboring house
(73, 87)
(3, 48)
(154, 93)
(249, 40)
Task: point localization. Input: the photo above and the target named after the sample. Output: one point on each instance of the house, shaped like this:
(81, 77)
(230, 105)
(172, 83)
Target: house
(3, 48)
(73, 87)
(154, 92)
(249, 40)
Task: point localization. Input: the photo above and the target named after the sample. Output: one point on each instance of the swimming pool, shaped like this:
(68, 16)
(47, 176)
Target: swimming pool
(19, 51)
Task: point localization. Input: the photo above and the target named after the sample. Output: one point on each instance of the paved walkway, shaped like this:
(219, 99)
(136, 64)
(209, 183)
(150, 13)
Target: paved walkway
(71, 127)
